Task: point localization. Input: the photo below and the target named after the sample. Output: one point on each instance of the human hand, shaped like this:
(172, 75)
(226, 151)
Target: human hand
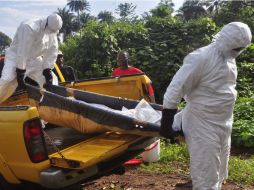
(20, 78)
(48, 77)
(167, 120)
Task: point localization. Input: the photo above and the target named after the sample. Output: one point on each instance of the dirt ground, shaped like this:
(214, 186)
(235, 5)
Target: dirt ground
(134, 179)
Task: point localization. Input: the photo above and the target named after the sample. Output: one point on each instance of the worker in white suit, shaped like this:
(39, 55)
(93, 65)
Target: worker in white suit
(207, 82)
(31, 55)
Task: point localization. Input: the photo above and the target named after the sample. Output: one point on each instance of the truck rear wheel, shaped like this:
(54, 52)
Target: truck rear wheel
(4, 185)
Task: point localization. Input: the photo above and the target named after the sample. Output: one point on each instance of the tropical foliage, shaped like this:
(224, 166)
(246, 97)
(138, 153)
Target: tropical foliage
(79, 6)
(105, 16)
(69, 24)
(126, 11)
(191, 10)
(162, 10)
(5, 41)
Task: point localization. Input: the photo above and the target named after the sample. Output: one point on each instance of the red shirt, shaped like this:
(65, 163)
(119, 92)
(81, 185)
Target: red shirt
(1, 59)
(130, 71)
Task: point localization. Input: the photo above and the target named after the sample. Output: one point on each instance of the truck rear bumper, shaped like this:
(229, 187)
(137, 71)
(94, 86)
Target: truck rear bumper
(56, 178)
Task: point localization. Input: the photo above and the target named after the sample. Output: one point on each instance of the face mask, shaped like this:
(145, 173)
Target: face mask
(48, 31)
(234, 53)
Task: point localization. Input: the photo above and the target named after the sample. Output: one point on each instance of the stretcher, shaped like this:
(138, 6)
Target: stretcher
(76, 109)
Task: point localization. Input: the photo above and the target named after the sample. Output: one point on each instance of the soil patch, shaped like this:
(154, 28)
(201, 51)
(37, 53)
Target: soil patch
(134, 179)
(244, 152)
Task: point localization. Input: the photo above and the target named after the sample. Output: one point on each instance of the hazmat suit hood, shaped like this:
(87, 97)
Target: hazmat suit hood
(54, 23)
(233, 38)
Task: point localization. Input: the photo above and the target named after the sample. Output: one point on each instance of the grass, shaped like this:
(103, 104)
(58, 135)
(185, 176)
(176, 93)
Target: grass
(175, 159)
(241, 170)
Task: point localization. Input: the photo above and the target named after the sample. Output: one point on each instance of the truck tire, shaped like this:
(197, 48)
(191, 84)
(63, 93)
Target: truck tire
(120, 170)
(4, 185)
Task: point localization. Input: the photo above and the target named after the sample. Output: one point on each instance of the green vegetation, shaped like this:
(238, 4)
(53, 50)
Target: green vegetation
(5, 41)
(175, 159)
(243, 130)
(241, 170)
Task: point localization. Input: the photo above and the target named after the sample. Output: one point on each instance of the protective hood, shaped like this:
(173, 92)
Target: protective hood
(233, 35)
(54, 23)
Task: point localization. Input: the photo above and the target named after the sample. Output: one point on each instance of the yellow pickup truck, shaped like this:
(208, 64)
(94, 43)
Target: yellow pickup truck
(28, 147)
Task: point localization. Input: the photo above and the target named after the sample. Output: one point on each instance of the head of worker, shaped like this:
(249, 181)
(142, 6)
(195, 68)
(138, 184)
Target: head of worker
(60, 59)
(53, 23)
(233, 39)
(123, 59)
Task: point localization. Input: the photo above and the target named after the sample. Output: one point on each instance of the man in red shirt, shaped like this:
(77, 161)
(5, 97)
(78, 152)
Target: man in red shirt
(125, 69)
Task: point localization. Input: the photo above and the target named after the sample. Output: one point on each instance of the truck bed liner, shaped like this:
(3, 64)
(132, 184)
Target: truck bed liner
(63, 137)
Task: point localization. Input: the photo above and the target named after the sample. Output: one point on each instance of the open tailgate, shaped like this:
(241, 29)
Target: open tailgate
(93, 151)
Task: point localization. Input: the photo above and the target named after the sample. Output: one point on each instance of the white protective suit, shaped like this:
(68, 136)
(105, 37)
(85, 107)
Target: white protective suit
(207, 81)
(34, 48)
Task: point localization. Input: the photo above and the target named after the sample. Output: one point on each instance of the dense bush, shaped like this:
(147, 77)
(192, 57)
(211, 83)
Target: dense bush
(243, 130)
(247, 55)
(245, 79)
(93, 52)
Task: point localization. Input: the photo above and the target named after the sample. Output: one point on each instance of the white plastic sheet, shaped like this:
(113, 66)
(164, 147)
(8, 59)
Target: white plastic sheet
(142, 112)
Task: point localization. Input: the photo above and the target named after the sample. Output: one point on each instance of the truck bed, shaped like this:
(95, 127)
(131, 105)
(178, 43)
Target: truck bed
(63, 137)
(84, 149)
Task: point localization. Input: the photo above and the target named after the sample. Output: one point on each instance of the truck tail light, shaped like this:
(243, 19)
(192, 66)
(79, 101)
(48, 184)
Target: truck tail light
(34, 140)
(148, 90)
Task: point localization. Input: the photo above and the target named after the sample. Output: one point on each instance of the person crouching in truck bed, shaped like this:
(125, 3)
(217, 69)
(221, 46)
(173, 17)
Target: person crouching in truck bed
(32, 54)
(67, 71)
